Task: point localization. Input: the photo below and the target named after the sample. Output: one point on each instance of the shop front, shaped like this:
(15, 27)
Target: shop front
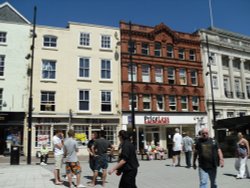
(159, 129)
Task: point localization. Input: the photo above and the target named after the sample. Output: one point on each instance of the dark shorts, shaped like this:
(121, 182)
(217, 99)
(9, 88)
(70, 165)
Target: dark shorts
(176, 152)
(101, 162)
(73, 167)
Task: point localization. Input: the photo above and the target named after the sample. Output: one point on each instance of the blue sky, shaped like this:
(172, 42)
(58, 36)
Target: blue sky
(180, 15)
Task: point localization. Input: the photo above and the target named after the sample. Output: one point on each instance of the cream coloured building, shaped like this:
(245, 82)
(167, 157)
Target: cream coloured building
(76, 82)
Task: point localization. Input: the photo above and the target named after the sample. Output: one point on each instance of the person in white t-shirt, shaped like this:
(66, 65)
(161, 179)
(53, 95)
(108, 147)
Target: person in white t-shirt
(177, 147)
(58, 154)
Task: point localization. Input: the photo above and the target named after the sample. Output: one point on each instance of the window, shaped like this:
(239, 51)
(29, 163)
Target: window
(106, 101)
(159, 74)
(226, 85)
(212, 58)
(160, 102)
(225, 62)
(195, 103)
(111, 133)
(82, 130)
(215, 81)
(171, 75)
(194, 80)
(3, 37)
(84, 67)
(134, 74)
(184, 103)
(183, 76)
(106, 42)
(84, 39)
(132, 47)
(145, 49)
(237, 86)
(247, 66)
(49, 41)
(146, 102)
(42, 135)
(135, 100)
(47, 101)
(236, 64)
(230, 114)
(240, 114)
(158, 49)
(170, 51)
(1, 99)
(84, 100)
(248, 88)
(2, 63)
(48, 69)
(181, 53)
(172, 103)
(145, 73)
(105, 69)
(192, 55)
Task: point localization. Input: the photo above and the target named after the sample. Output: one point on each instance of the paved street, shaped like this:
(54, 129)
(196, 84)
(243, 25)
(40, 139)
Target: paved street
(152, 174)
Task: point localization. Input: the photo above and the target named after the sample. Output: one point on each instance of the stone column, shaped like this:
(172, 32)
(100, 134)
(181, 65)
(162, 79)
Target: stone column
(231, 72)
(243, 78)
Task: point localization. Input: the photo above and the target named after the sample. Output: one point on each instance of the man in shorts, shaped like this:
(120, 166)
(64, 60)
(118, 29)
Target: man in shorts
(72, 163)
(58, 153)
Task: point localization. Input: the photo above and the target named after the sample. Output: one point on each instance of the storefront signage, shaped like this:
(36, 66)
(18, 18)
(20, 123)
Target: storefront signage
(156, 120)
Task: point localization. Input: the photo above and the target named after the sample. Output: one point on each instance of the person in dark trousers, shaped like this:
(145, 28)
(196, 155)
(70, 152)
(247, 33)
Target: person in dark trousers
(100, 149)
(128, 163)
(210, 156)
(91, 153)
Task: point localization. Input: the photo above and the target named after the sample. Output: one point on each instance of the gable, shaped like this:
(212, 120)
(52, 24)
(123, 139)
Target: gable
(164, 34)
(9, 14)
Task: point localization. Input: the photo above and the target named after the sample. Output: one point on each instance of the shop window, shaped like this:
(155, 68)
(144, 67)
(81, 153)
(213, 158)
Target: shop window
(42, 135)
(81, 133)
(111, 133)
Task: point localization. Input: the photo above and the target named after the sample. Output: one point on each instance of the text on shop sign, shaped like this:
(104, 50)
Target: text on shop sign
(156, 120)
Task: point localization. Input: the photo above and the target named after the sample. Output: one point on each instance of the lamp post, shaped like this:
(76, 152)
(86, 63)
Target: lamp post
(211, 81)
(30, 91)
(131, 48)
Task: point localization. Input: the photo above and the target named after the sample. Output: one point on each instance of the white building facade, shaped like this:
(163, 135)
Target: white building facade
(230, 71)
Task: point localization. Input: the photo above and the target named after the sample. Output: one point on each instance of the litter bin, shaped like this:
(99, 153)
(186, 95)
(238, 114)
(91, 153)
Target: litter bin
(14, 155)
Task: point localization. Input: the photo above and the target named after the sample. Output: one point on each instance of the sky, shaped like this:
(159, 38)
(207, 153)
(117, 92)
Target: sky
(180, 15)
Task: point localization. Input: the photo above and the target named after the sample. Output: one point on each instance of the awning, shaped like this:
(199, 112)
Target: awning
(233, 123)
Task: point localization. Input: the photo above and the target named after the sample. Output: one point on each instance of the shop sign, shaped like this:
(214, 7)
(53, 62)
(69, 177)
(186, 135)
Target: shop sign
(41, 139)
(156, 120)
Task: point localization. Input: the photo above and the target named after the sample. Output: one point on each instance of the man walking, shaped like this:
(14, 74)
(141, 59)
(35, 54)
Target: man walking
(128, 163)
(177, 147)
(91, 153)
(100, 149)
(58, 153)
(72, 163)
(210, 156)
(187, 148)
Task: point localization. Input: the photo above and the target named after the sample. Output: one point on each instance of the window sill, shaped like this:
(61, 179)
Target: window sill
(84, 80)
(2, 78)
(106, 113)
(106, 49)
(50, 48)
(3, 44)
(83, 113)
(85, 47)
(47, 112)
(106, 81)
(48, 81)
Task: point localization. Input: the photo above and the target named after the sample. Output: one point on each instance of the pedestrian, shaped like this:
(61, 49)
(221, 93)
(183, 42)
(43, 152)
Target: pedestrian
(242, 156)
(177, 147)
(58, 154)
(91, 153)
(128, 163)
(44, 154)
(100, 148)
(72, 163)
(210, 156)
(187, 143)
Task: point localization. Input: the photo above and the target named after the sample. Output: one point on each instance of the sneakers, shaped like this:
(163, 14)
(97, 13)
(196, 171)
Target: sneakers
(42, 163)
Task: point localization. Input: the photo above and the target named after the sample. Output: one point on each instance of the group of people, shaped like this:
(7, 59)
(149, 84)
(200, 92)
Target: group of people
(98, 148)
(154, 151)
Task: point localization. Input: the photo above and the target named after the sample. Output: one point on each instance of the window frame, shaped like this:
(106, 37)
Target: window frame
(84, 70)
(171, 77)
(106, 41)
(3, 37)
(107, 101)
(145, 48)
(51, 73)
(181, 54)
(172, 103)
(159, 74)
(2, 65)
(194, 78)
(184, 103)
(170, 51)
(49, 103)
(146, 100)
(157, 49)
(106, 69)
(84, 39)
(160, 102)
(50, 43)
(183, 76)
(84, 100)
(135, 102)
(146, 69)
(134, 68)
(195, 103)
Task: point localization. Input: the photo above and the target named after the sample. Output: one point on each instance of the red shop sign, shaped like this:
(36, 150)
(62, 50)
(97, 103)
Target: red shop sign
(156, 120)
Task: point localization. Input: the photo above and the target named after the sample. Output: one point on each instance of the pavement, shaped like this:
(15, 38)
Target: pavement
(151, 174)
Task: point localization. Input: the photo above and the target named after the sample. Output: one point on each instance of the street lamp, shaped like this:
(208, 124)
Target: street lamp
(131, 49)
(31, 84)
(211, 82)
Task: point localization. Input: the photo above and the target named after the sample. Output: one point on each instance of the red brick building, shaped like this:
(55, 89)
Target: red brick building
(168, 82)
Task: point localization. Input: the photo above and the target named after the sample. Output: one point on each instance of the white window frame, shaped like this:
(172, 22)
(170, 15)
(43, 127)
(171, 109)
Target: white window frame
(84, 39)
(3, 37)
(184, 103)
(160, 102)
(230, 114)
(85, 99)
(1, 98)
(45, 132)
(111, 133)
(47, 67)
(105, 42)
(183, 76)
(195, 103)
(135, 102)
(133, 46)
(172, 103)
(192, 55)
(226, 84)
(157, 49)
(194, 77)
(134, 72)
(51, 42)
(159, 74)
(171, 77)
(145, 72)
(146, 102)
(215, 81)
(106, 67)
(49, 104)
(145, 48)
(84, 68)
(181, 53)
(170, 51)
(2, 65)
(248, 88)
(106, 101)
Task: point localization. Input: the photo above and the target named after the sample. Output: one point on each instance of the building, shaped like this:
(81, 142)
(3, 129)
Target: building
(166, 71)
(230, 69)
(76, 82)
(14, 46)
